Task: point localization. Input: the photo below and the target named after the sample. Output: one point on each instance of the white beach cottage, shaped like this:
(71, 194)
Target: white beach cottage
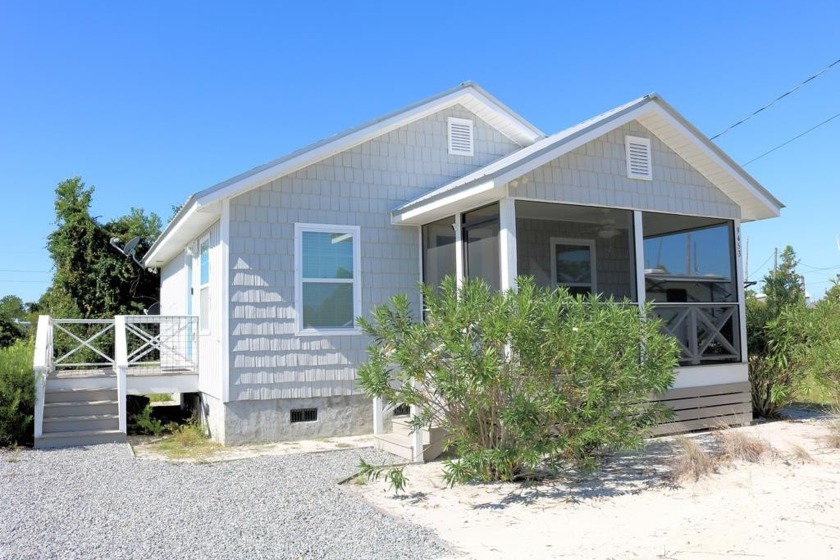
(277, 262)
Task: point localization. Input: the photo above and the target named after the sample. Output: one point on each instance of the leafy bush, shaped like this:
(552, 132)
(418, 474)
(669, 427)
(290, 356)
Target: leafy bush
(17, 394)
(144, 422)
(522, 379)
(780, 336)
(779, 354)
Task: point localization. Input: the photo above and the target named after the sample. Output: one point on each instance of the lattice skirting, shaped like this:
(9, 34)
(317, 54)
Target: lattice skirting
(713, 406)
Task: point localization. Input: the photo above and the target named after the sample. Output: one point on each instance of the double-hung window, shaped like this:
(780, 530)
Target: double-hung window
(327, 284)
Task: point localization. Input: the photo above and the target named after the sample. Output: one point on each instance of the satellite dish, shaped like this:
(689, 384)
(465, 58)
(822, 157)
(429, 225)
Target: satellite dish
(130, 246)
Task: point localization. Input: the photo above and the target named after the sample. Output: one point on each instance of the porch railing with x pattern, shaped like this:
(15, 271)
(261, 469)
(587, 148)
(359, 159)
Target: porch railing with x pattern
(706, 332)
(152, 344)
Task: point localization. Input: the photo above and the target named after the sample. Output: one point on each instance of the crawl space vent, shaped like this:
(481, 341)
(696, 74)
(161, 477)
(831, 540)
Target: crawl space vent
(460, 137)
(304, 415)
(638, 158)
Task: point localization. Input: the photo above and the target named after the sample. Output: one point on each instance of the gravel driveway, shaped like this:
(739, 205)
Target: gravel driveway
(101, 502)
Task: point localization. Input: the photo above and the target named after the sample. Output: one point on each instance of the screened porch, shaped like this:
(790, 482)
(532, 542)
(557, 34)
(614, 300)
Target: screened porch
(684, 265)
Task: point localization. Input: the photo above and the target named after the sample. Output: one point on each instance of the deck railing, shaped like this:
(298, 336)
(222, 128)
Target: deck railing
(706, 332)
(125, 345)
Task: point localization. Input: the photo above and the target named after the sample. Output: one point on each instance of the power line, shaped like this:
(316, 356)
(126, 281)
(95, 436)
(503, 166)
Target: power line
(797, 137)
(816, 269)
(754, 113)
(756, 269)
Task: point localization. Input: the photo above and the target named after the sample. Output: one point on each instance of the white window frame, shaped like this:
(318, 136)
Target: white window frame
(465, 122)
(645, 142)
(355, 232)
(589, 244)
(205, 313)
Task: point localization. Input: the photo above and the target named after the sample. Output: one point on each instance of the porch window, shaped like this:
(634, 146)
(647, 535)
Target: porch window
(438, 251)
(481, 240)
(690, 278)
(327, 287)
(586, 249)
(573, 264)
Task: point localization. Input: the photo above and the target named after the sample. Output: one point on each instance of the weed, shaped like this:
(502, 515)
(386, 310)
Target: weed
(833, 437)
(801, 454)
(738, 446)
(692, 462)
(187, 442)
(394, 475)
(145, 422)
(159, 397)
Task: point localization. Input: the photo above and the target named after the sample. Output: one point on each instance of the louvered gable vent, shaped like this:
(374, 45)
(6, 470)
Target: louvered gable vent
(638, 158)
(460, 137)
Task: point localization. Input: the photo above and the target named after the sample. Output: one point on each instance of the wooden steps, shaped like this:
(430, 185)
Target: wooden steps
(80, 410)
(399, 441)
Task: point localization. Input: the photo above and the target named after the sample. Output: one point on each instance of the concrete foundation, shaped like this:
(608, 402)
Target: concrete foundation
(268, 421)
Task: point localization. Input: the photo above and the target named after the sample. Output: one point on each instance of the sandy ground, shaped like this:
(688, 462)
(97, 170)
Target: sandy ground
(786, 506)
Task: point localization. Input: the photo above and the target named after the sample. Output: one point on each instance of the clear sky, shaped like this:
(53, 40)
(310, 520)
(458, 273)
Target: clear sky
(152, 101)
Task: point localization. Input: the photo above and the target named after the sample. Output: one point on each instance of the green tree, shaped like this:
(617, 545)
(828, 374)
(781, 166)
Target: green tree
(523, 379)
(12, 320)
(779, 334)
(92, 279)
(783, 287)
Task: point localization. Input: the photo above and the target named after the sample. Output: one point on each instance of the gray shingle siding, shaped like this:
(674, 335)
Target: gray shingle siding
(358, 187)
(596, 174)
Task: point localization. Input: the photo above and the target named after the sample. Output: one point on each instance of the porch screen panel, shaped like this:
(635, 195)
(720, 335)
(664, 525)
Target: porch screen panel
(584, 249)
(481, 239)
(690, 278)
(438, 251)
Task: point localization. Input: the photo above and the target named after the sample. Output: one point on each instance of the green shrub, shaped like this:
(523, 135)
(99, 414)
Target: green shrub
(144, 422)
(17, 394)
(520, 380)
(779, 354)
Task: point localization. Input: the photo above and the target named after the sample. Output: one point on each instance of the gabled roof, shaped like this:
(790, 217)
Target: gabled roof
(203, 208)
(486, 184)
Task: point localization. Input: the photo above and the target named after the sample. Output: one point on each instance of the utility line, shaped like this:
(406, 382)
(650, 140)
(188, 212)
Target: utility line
(783, 144)
(754, 113)
(751, 274)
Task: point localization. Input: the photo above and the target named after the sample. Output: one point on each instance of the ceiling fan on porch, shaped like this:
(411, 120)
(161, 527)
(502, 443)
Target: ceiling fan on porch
(608, 229)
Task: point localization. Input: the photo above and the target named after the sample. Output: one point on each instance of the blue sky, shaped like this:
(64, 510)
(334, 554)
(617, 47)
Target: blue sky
(152, 101)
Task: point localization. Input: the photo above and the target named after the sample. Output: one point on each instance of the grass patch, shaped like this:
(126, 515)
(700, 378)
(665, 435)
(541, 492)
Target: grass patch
(738, 446)
(801, 454)
(692, 461)
(187, 442)
(159, 397)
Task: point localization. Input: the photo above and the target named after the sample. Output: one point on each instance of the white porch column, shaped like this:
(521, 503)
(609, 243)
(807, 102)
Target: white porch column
(121, 367)
(42, 364)
(378, 416)
(739, 278)
(459, 251)
(639, 250)
(507, 243)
